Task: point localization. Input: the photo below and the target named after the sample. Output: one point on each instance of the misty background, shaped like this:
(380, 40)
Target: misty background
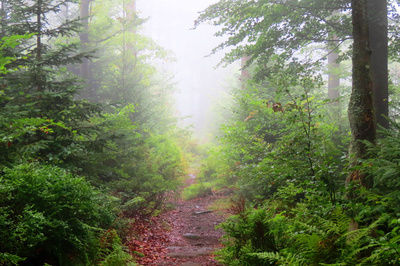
(200, 83)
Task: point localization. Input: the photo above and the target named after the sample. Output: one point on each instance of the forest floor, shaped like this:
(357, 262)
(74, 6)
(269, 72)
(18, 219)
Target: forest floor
(185, 235)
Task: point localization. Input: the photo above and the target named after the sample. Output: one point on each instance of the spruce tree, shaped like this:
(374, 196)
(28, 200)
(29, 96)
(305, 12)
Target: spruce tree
(41, 94)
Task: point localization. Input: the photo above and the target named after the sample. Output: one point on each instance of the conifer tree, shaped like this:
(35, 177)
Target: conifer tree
(42, 88)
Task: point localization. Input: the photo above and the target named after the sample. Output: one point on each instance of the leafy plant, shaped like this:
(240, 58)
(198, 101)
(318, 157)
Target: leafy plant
(112, 252)
(200, 189)
(49, 215)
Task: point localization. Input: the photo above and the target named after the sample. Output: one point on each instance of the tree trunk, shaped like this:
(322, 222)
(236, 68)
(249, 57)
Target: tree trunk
(378, 40)
(39, 31)
(333, 78)
(131, 16)
(129, 53)
(3, 15)
(38, 78)
(361, 108)
(84, 37)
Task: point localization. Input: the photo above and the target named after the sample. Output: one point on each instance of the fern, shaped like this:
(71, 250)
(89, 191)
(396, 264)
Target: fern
(277, 258)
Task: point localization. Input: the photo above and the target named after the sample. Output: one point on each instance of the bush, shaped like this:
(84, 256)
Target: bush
(301, 225)
(45, 212)
(112, 252)
(197, 190)
(134, 165)
(286, 231)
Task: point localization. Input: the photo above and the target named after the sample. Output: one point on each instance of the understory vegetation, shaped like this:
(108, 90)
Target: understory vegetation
(300, 195)
(87, 146)
(287, 165)
(309, 148)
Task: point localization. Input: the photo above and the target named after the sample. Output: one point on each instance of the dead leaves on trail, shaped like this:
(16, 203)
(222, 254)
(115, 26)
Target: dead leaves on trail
(161, 240)
(148, 241)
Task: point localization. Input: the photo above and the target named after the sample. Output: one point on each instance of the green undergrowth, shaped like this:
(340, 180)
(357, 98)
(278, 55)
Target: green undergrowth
(221, 204)
(287, 163)
(51, 216)
(80, 159)
(197, 190)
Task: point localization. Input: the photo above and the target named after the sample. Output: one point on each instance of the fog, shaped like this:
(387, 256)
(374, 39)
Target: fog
(199, 82)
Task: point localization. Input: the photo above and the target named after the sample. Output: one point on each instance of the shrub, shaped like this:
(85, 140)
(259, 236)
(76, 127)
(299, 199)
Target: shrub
(303, 226)
(135, 165)
(197, 190)
(45, 212)
(302, 233)
(112, 252)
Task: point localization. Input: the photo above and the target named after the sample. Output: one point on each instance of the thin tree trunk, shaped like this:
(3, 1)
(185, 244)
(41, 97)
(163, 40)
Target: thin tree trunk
(131, 16)
(39, 30)
(333, 65)
(124, 47)
(378, 39)
(333, 77)
(3, 15)
(38, 78)
(84, 37)
(361, 109)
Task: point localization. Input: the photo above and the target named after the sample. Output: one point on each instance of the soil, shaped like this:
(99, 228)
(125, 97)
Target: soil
(183, 236)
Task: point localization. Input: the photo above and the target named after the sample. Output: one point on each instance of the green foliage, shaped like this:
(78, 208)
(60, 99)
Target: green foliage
(112, 252)
(49, 215)
(10, 259)
(9, 42)
(278, 135)
(384, 165)
(301, 215)
(377, 210)
(214, 166)
(123, 140)
(285, 151)
(265, 30)
(200, 189)
(303, 234)
(285, 147)
(137, 167)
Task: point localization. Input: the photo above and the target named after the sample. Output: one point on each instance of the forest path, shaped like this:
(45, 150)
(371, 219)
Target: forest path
(190, 236)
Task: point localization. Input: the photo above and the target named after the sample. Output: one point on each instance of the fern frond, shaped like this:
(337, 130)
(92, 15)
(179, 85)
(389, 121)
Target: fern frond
(275, 257)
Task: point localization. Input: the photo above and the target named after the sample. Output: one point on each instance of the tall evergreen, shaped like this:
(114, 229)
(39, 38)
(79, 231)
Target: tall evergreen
(42, 89)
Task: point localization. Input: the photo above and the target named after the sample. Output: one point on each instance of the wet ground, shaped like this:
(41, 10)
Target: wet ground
(183, 236)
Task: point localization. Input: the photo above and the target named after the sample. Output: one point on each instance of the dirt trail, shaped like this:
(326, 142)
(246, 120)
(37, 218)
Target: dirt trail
(189, 238)
(193, 236)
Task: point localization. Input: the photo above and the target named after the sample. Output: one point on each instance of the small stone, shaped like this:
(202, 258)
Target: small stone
(191, 236)
(201, 212)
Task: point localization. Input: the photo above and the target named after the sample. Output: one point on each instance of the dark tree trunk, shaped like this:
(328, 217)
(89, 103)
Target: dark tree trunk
(361, 109)
(39, 31)
(378, 40)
